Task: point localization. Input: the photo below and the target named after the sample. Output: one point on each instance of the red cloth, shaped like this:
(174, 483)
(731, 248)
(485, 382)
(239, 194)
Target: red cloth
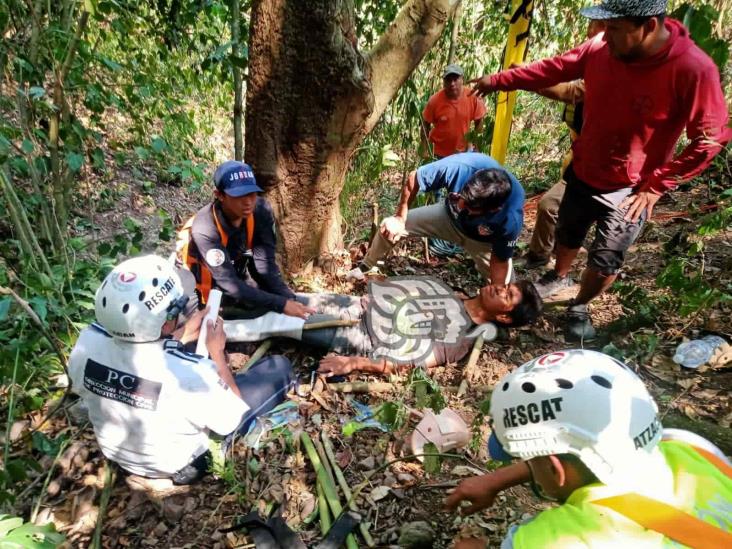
(635, 112)
(451, 120)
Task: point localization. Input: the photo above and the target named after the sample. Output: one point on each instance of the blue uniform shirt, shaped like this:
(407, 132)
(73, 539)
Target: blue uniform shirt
(501, 228)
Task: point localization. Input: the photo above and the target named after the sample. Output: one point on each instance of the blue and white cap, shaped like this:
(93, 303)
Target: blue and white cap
(235, 179)
(614, 9)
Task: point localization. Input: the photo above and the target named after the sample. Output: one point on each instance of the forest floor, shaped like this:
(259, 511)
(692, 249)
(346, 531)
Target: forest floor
(393, 495)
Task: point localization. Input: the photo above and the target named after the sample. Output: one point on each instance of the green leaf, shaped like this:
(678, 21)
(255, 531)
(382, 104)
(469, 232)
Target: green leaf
(131, 224)
(8, 523)
(45, 445)
(16, 470)
(104, 248)
(30, 536)
(39, 305)
(5, 145)
(112, 65)
(159, 145)
(74, 161)
(352, 427)
(142, 152)
(97, 156)
(241, 62)
(27, 146)
(91, 6)
(36, 91)
(432, 461)
(4, 308)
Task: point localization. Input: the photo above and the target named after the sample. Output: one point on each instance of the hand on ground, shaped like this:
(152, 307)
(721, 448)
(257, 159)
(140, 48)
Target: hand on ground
(295, 308)
(335, 365)
(470, 543)
(392, 228)
(479, 491)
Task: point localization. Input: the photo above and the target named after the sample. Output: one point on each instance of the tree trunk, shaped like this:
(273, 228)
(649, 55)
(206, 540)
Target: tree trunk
(236, 72)
(312, 97)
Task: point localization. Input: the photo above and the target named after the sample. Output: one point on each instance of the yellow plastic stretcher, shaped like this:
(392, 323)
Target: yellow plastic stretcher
(518, 14)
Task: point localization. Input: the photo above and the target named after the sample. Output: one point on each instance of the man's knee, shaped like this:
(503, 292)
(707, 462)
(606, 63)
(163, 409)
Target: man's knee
(568, 236)
(548, 206)
(605, 261)
(274, 371)
(279, 365)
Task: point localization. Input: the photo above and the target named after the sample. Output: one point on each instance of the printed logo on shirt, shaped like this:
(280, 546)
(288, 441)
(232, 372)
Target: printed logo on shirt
(643, 104)
(215, 257)
(116, 385)
(407, 315)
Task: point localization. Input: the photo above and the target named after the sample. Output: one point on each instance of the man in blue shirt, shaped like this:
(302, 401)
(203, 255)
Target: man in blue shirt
(483, 213)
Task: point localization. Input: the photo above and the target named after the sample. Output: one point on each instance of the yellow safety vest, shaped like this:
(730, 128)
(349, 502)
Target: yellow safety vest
(700, 515)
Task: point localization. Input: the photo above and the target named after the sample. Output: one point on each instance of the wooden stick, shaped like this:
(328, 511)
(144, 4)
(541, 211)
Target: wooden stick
(362, 526)
(472, 361)
(259, 353)
(328, 489)
(361, 387)
(330, 324)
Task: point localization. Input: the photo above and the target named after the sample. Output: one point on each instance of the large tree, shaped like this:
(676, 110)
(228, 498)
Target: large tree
(312, 97)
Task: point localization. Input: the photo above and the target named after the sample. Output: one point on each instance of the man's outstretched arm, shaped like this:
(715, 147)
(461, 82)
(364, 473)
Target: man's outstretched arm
(481, 491)
(336, 365)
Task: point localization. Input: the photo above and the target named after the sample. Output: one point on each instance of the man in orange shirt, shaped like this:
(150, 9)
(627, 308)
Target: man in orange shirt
(449, 112)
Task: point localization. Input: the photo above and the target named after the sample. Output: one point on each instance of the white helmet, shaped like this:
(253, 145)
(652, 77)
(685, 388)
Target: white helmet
(583, 403)
(137, 297)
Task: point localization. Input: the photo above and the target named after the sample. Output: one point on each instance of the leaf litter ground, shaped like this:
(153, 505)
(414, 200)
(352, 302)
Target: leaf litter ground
(390, 496)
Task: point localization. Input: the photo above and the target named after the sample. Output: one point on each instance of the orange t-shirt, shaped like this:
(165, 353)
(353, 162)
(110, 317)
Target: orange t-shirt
(451, 120)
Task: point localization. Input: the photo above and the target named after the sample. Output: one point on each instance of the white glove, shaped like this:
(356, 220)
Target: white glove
(392, 228)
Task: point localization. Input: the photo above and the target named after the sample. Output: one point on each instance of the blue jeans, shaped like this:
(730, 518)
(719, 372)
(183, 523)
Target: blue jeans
(263, 386)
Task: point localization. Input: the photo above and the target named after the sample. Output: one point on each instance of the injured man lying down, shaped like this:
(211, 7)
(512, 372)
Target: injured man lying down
(401, 323)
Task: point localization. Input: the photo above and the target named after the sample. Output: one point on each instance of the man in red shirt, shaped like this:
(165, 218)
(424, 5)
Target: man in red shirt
(450, 111)
(646, 81)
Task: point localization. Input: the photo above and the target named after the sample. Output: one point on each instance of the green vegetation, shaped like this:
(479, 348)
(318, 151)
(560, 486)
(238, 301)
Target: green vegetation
(107, 108)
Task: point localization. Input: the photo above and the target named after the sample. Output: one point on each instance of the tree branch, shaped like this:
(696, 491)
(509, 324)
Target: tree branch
(400, 49)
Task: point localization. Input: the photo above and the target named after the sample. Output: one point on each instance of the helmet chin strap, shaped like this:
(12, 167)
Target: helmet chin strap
(176, 307)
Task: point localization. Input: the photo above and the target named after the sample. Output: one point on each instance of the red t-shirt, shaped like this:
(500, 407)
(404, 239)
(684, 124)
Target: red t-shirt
(635, 112)
(451, 120)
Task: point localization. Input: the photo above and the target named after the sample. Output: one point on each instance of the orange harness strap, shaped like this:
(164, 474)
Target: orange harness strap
(673, 523)
(669, 521)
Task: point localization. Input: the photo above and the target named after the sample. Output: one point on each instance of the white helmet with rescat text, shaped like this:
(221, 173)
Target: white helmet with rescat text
(137, 297)
(578, 402)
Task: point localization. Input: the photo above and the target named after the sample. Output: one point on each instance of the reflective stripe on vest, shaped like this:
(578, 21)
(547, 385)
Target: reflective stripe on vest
(204, 280)
(702, 518)
(669, 521)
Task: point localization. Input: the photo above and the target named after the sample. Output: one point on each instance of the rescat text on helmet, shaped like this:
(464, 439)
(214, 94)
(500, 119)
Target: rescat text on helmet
(157, 297)
(532, 412)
